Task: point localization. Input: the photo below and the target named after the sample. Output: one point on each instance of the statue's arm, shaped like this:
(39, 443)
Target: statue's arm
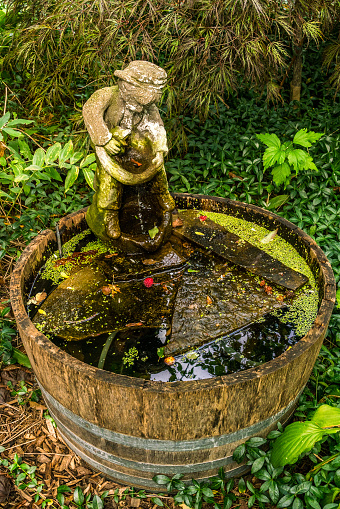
(93, 113)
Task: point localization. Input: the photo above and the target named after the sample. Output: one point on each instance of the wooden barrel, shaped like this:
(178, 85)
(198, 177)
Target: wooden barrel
(131, 429)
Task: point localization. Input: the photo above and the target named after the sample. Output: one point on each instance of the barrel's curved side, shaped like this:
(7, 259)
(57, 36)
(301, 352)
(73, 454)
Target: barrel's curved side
(132, 429)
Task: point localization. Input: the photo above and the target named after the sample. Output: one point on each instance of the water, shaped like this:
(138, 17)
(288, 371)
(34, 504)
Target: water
(213, 298)
(138, 352)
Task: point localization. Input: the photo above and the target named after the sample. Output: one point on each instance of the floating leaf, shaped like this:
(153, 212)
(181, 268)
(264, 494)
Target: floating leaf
(149, 261)
(42, 311)
(199, 233)
(192, 355)
(153, 232)
(160, 352)
(209, 300)
(268, 238)
(177, 222)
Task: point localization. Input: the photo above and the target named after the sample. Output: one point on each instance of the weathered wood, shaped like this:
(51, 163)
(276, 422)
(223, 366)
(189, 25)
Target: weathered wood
(214, 237)
(132, 429)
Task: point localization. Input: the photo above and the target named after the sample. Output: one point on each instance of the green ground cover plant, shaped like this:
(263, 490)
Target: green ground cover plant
(223, 158)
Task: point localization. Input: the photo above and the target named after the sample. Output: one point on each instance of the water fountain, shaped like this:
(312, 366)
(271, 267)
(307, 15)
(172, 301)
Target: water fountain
(166, 330)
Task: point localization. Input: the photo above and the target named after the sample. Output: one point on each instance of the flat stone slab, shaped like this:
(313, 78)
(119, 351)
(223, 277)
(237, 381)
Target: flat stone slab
(214, 303)
(215, 238)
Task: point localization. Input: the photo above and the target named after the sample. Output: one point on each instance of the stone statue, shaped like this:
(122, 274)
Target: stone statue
(130, 143)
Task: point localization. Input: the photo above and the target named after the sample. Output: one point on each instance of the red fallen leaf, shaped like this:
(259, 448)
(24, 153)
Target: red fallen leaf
(268, 290)
(137, 324)
(148, 282)
(263, 283)
(106, 290)
(203, 218)
(169, 361)
(177, 222)
(136, 162)
(280, 298)
(209, 300)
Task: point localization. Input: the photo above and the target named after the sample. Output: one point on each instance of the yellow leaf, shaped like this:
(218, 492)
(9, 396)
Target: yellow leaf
(42, 312)
(199, 233)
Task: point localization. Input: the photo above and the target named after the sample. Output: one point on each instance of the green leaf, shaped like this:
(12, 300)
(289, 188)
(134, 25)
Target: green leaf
(89, 177)
(19, 121)
(306, 139)
(25, 149)
(297, 158)
(75, 157)
(242, 488)
(271, 140)
(327, 416)
(52, 153)
(66, 152)
(297, 438)
(272, 156)
(160, 353)
(21, 358)
(53, 173)
(153, 232)
(257, 465)
(285, 501)
(161, 479)
(239, 453)
(309, 164)
(4, 119)
(78, 496)
(97, 503)
(34, 167)
(71, 177)
(157, 501)
(281, 174)
(277, 201)
(12, 132)
(38, 157)
(88, 160)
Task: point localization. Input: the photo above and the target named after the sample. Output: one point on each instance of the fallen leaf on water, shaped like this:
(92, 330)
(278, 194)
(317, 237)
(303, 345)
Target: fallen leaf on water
(149, 261)
(39, 297)
(262, 283)
(192, 355)
(199, 233)
(169, 361)
(209, 301)
(106, 290)
(177, 222)
(153, 232)
(137, 324)
(42, 312)
(192, 270)
(203, 218)
(280, 298)
(269, 237)
(268, 290)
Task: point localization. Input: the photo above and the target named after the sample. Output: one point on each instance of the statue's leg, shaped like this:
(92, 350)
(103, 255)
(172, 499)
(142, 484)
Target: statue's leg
(109, 199)
(160, 189)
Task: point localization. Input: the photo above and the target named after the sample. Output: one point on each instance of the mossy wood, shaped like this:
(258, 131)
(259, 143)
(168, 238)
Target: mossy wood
(227, 245)
(132, 429)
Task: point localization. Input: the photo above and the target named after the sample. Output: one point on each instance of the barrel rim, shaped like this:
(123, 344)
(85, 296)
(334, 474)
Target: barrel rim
(319, 327)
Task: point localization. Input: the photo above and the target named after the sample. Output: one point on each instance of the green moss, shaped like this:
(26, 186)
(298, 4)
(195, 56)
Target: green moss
(302, 312)
(57, 274)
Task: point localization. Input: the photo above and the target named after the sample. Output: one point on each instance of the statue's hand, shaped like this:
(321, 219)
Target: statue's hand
(114, 146)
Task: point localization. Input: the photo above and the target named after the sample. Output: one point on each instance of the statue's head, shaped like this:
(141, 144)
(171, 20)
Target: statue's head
(141, 82)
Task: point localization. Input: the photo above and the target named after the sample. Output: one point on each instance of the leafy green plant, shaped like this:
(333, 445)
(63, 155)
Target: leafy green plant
(287, 159)
(9, 354)
(300, 437)
(24, 170)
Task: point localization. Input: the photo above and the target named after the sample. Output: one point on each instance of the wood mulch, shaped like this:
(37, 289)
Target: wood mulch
(25, 431)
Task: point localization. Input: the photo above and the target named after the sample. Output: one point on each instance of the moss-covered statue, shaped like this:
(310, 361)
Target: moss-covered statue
(132, 204)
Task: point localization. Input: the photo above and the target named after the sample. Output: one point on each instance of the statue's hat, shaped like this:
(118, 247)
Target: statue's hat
(143, 74)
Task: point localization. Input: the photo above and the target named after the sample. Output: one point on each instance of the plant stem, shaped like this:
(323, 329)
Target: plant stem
(106, 349)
